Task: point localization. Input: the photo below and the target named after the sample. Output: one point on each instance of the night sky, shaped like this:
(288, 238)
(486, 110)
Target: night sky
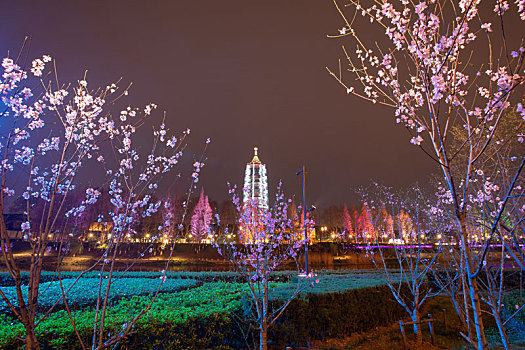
(243, 73)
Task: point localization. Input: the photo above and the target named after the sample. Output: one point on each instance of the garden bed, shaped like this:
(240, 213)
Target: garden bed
(197, 309)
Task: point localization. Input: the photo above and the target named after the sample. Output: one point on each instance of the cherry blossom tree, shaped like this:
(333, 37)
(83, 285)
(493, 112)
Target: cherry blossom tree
(409, 282)
(494, 223)
(57, 135)
(426, 69)
(270, 244)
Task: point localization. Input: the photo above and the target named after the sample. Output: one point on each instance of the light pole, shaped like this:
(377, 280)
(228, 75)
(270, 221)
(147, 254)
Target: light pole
(303, 172)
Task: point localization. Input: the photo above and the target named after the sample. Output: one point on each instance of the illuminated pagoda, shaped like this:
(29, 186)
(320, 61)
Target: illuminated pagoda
(256, 182)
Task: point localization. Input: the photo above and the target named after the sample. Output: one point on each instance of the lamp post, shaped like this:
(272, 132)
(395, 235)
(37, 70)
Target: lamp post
(312, 208)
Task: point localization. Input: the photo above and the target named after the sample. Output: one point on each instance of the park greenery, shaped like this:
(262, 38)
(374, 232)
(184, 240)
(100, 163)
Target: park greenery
(57, 136)
(195, 297)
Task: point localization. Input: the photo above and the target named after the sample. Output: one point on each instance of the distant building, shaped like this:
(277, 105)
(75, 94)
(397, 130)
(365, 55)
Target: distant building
(256, 182)
(13, 224)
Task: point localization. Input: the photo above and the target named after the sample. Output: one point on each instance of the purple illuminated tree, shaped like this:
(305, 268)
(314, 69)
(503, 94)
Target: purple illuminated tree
(347, 224)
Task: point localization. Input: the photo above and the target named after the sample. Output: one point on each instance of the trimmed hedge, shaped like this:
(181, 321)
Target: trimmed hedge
(216, 331)
(322, 316)
(85, 291)
(169, 309)
(209, 316)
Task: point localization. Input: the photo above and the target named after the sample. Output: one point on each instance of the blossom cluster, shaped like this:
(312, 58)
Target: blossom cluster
(56, 133)
(436, 45)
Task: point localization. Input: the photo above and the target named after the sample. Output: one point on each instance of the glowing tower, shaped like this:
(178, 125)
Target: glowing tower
(256, 182)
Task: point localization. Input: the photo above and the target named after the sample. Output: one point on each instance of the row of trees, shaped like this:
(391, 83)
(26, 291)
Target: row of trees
(196, 216)
(337, 223)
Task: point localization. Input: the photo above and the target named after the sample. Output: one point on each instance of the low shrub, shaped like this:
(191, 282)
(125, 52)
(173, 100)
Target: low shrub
(84, 292)
(321, 316)
(209, 315)
(56, 331)
(216, 331)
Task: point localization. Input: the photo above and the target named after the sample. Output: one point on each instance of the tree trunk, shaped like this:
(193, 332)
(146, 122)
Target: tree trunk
(472, 286)
(417, 326)
(31, 341)
(459, 311)
(263, 337)
(501, 329)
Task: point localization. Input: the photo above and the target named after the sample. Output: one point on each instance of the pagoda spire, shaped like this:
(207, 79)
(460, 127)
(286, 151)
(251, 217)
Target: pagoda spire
(255, 156)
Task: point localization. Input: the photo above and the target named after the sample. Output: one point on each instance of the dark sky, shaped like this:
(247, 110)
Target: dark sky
(244, 73)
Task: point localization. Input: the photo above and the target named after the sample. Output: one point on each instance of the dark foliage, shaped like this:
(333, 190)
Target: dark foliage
(323, 316)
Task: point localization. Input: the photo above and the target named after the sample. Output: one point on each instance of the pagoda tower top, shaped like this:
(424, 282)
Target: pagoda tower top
(255, 156)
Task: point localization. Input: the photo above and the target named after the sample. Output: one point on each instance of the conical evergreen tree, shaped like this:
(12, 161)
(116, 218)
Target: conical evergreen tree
(201, 219)
(347, 224)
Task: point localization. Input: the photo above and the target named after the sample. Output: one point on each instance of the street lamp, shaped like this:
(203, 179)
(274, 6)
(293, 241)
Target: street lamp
(312, 208)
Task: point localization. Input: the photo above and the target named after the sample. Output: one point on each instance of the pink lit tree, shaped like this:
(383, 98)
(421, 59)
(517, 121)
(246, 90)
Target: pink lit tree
(445, 65)
(347, 224)
(201, 219)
